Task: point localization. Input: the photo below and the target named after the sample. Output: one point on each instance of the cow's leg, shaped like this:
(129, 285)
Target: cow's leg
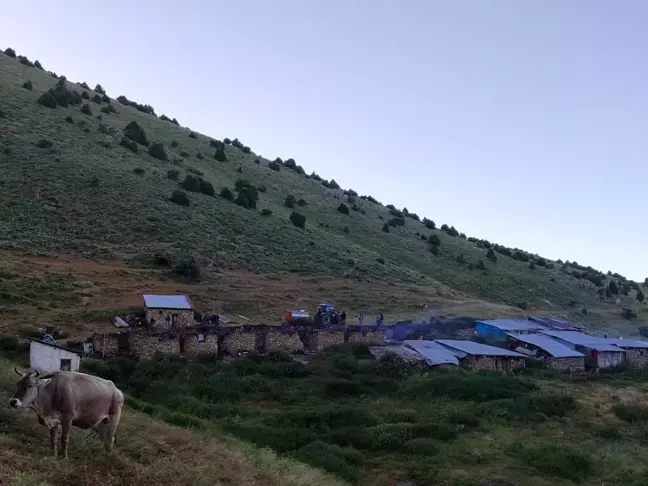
(55, 433)
(66, 426)
(112, 430)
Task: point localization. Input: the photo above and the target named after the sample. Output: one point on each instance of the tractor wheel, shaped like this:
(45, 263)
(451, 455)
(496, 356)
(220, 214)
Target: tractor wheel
(326, 319)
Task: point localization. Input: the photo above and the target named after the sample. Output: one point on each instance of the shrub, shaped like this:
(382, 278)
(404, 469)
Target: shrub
(266, 212)
(262, 188)
(157, 151)
(180, 197)
(532, 265)
(200, 156)
(143, 108)
(628, 313)
(343, 208)
(105, 109)
(220, 155)
(85, 95)
(188, 269)
(290, 201)
(174, 144)
(242, 201)
(129, 144)
(105, 99)
(28, 85)
(227, 141)
(559, 460)
(216, 144)
(197, 184)
(99, 89)
(38, 65)
(475, 388)
(185, 154)
(10, 52)
(173, 174)
(331, 458)
(425, 447)
(385, 228)
(396, 222)
(613, 287)
(434, 240)
(257, 161)
(139, 171)
(44, 143)
(631, 413)
(640, 296)
(274, 166)
(380, 260)
(298, 220)
(248, 194)
(47, 99)
(302, 202)
(25, 61)
(69, 119)
(97, 99)
(136, 133)
(226, 193)
(86, 110)
(193, 135)
(480, 265)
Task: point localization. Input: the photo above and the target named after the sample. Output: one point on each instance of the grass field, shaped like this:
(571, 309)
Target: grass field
(71, 191)
(377, 423)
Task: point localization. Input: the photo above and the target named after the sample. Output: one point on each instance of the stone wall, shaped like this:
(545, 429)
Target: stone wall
(325, 339)
(493, 363)
(239, 339)
(637, 357)
(192, 346)
(371, 338)
(105, 344)
(574, 364)
(145, 346)
(185, 318)
(288, 342)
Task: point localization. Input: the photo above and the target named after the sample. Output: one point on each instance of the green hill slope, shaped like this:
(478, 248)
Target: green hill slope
(69, 185)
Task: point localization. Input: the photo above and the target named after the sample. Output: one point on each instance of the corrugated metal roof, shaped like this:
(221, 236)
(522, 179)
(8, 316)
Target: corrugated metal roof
(556, 323)
(628, 343)
(434, 353)
(478, 349)
(581, 339)
(548, 344)
(512, 325)
(167, 301)
(399, 350)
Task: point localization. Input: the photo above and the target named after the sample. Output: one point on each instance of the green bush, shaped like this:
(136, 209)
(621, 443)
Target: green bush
(69, 119)
(193, 135)
(180, 198)
(329, 457)
(220, 155)
(631, 413)
(136, 133)
(226, 193)
(85, 95)
(86, 110)
(385, 228)
(290, 201)
(139, 171)
(44, 143)
(476, 387)
(157, 151)
(38, 65)
(558, 460)
(174, 144)
(129, 144)
(266, 212)
(188, 269)
(301, 202)
(173, 174)
(105, 99)
(343, 208)
(10, 52)
(28, 85)
(274, 166)
(96, 99)
(423, 447)
(297, 219)
(99, 89)
(48, 100)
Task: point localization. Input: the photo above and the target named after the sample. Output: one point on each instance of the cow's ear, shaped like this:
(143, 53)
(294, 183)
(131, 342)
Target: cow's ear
(18, 372)
(44, 382)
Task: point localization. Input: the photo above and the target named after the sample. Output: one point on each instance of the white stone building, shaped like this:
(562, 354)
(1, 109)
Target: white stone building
(48, 357)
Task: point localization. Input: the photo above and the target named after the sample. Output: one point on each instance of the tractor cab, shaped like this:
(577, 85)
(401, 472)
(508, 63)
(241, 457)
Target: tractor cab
(326, 315)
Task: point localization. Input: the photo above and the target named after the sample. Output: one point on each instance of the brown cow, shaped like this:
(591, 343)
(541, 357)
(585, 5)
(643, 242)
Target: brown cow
(63, 399)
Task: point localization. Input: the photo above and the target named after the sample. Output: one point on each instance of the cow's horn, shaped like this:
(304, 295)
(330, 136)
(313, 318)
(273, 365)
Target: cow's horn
(18, 372)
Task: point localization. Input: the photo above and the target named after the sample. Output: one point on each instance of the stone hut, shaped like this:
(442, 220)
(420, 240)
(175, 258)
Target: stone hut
(481, 357)
(165, 312)
(552, 353)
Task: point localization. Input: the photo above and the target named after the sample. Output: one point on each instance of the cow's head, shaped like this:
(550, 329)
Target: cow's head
(27, 388)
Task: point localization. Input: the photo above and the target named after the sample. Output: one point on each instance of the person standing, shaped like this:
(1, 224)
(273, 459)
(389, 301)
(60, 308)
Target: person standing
(360, 318)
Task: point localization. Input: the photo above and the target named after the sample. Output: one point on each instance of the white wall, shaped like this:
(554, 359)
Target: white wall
(48, 358)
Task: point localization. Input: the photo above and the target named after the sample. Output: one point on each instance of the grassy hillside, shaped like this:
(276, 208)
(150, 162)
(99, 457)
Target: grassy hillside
(71, 190)
(378, 423)
(149, 452)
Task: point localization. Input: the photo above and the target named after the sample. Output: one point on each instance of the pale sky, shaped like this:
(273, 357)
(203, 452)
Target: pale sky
(519, 121)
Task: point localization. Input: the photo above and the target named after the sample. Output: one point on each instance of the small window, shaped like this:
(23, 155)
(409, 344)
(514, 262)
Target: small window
(66, 364)
(201, 338)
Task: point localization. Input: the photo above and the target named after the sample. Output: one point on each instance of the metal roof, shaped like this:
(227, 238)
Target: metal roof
(400, 350)
(628, 343)
(581, 339)
(434, 353)
(556, 323)
(548, 344)
(52, 345)
(477, 349)
(512, 325)
(167, 301)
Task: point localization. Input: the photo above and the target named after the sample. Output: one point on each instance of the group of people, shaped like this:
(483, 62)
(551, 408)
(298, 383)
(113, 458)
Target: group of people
(379, 319)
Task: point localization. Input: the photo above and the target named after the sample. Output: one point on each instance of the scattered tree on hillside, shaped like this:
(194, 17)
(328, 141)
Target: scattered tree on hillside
(434, 240)
(28, 85)
(97, 99)
(640, 296)
(143, 108)
(532, 265)
(625, 288)
(290, 201)
(193, 135)
(220, 155)
(86, 110)
(157, 151)
(226, 193)
(385, 228)
(10, 52)
(298, 220)
(429, 224)
(613, 287)
(136, 133)
(38, 65)
(180, 197)
(99, 89)
(343, 208)
(460, 259)
(490, 254)
(645, 284)
(480, 265)
(274, 166)
(247, 194)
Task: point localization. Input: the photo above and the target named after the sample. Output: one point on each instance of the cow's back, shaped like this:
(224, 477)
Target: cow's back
(85, 397)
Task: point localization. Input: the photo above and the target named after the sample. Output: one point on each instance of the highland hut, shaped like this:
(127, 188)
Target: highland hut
(552, 353)
(482, 357)
(168, 311)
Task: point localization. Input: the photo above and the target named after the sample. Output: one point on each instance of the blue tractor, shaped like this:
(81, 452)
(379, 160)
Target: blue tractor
(326, 315)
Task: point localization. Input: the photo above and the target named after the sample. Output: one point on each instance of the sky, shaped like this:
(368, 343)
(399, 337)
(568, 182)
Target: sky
(522, 122)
